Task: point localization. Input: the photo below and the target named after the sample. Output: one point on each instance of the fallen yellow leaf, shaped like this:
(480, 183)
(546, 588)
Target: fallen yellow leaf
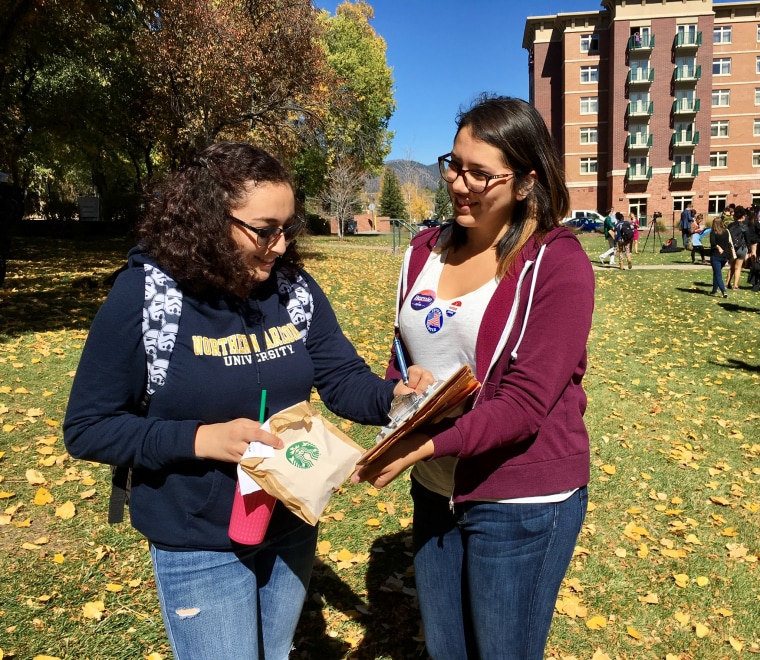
(94, 609)
(66, 511)
(596, 622)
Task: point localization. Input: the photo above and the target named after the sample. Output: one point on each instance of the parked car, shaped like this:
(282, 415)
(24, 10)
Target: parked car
(578, 218)
(589, 224)
(430, 222)
(584, 220)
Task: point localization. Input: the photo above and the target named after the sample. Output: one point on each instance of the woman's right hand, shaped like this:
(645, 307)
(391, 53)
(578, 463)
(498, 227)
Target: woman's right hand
(228, 441)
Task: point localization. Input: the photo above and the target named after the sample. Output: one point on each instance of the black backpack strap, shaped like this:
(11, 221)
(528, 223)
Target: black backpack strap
(295, 293)
(121, 476)
(162, 309)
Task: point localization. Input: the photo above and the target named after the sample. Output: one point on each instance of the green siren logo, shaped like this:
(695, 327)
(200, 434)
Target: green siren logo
(302, 455)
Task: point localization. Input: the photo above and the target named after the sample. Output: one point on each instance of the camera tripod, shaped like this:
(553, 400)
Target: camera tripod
(653, 232)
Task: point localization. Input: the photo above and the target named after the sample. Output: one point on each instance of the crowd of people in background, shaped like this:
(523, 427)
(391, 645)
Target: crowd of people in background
(705, 238)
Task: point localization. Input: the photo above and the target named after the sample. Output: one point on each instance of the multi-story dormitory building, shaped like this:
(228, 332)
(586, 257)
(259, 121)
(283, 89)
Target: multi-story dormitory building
(653, 103)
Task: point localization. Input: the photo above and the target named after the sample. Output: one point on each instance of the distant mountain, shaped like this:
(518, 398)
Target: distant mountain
(426, 175)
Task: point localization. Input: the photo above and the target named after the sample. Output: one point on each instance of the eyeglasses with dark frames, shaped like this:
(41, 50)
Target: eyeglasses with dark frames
(268, 236)
(474, 180)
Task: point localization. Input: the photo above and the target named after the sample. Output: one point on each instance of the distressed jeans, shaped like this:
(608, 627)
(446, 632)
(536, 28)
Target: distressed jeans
(488, 584)
(242, 605)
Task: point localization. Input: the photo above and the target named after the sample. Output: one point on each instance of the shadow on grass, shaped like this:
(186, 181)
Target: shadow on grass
(57, 284)
(389, 614)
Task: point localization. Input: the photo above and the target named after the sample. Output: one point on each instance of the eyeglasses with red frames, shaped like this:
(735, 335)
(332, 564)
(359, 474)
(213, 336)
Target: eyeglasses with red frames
(268, 236)
(474, 180)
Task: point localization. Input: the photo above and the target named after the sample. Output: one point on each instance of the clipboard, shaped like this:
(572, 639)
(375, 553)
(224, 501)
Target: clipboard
(427, 408)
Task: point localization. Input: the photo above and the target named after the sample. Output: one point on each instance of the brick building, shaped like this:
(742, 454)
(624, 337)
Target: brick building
(652, 103)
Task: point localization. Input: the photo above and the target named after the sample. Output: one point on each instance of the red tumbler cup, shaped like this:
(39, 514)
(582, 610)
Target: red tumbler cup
(250, 516)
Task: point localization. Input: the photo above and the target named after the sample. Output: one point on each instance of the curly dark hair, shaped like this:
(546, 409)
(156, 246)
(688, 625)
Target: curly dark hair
(518, 130)
(186, 227)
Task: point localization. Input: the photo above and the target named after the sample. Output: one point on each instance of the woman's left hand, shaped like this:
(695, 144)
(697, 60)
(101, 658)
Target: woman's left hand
(402, 455)
(418, 381)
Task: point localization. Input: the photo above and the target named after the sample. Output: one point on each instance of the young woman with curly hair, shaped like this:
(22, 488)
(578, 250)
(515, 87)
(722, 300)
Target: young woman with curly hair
(224, 230)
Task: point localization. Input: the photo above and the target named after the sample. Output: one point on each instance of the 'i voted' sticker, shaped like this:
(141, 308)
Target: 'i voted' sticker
(434, 320)
(453, 308)
(423, 299)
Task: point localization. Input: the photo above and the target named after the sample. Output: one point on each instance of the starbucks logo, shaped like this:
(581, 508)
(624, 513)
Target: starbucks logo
(302, 455)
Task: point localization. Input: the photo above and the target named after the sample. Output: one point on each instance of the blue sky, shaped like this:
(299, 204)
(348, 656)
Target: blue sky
(445, 52)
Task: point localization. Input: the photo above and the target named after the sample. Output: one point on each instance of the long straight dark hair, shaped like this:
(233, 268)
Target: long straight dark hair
(517, 129)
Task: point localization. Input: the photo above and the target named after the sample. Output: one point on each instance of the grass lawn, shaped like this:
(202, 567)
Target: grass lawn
(667, 563)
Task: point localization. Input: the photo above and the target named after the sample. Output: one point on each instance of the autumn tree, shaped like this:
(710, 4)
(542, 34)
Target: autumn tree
(341, 195)
(363, 104)
(391, 202)
(443, 208)
(235, 69)
(361, 100)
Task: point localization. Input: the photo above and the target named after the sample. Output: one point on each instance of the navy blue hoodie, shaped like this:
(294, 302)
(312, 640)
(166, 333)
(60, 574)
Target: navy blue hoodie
(226, 353)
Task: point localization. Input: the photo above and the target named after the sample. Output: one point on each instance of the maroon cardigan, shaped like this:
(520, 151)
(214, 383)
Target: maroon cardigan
(525, 434)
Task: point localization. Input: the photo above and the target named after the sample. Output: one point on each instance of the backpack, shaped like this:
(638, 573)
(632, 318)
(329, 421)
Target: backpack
(736, 229)
(626, 231)
(161, 314)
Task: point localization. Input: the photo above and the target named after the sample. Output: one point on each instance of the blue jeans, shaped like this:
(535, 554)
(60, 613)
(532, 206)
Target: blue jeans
(241, 605)
(438, 561)
(513, 558)
(717, 262)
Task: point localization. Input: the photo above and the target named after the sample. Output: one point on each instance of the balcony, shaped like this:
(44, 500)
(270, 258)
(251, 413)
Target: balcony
(685, 139)
(685, 106)
(688, 40)
(687, 73)
(640, 108)
(640, 76)
(684, 171)
(639, 141)
(639, 44)
(638, 173)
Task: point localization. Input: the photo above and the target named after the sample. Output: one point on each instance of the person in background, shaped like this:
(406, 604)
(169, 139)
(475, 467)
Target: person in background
(517, 459)
(634, 220)
(699, 233)
(623, 239)
(685, 224)
(720, 250)
(738, 231)
(224, 229)
(609, 234)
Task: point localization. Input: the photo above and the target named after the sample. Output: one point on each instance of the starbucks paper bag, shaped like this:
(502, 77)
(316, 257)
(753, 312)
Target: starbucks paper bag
(317, 458)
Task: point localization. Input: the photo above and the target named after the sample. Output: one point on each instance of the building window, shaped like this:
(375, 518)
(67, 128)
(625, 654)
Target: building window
(589, 135)
(757, 96)
(757, 65)
(589, 43)
(589, 74)
(756, 128)
(721, 98)
(722, 34)
(589, 105)
(722, 66)
(680, 203)
(719, 129)
(756, 158)
(719, 159)
(589, 166)
(716, 203)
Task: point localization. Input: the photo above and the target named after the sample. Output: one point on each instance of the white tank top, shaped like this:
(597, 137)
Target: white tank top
(441, 335)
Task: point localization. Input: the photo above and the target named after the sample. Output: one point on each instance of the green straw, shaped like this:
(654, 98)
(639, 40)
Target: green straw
(263, 405)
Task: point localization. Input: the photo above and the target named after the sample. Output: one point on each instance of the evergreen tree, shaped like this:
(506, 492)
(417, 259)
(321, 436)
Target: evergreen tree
(443, 207)
(391, 197)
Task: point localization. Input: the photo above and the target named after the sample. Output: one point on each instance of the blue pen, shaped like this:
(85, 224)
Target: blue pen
(401, 360)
